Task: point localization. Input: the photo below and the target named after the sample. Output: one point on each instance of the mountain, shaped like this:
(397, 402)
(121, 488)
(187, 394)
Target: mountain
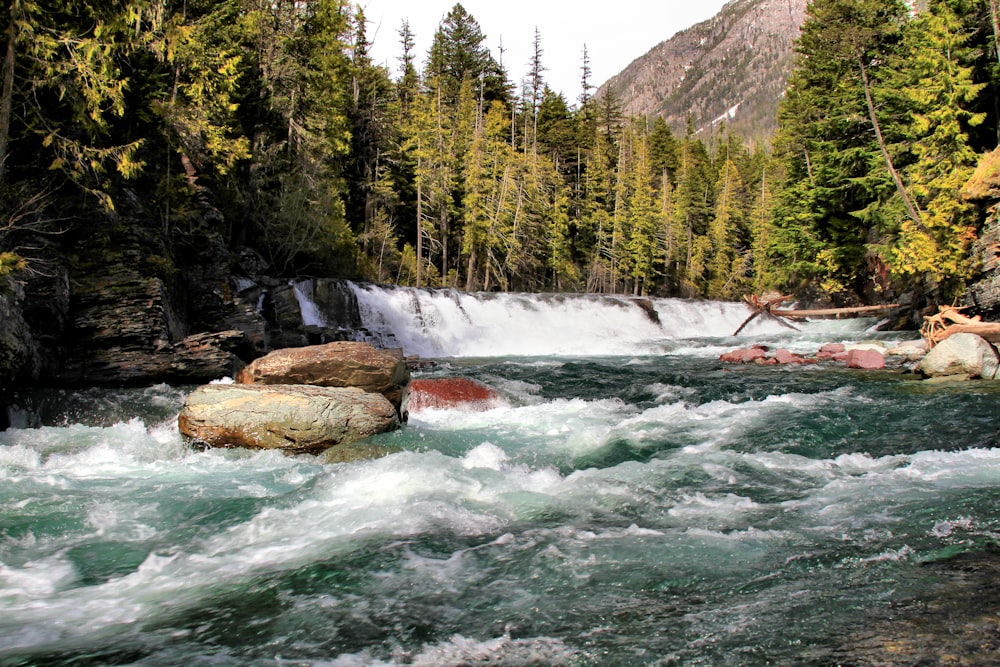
(730, 68)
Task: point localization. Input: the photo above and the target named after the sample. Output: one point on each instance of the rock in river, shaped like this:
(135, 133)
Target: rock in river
(451, 393)
(961, 354)
(339, 364)
(293, 418)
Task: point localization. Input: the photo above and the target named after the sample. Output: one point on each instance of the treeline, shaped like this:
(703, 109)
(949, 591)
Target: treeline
(447, 173)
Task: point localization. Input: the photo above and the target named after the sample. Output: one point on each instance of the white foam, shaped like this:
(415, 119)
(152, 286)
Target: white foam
(437, 323)
(461, 650)
(485, 455)
(35, 579)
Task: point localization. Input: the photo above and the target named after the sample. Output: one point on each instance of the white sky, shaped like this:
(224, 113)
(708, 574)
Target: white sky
(615, 32)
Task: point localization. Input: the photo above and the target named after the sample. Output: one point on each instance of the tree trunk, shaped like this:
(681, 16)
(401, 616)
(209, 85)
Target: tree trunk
(444, 245)
(420, 222)
(470, 276)
(995, 16)
(6, 96)
(911, 208)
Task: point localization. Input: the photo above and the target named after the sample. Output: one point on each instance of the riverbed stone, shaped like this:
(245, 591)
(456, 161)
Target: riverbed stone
(829, 350)
(338, 364)
(744, 355)
(291, 418)
(911, 350)
(961, 354)
(865, 359)
(783, 357)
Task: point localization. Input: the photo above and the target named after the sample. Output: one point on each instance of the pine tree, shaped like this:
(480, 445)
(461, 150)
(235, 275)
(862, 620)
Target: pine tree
(939, 88)
(644, 219)
(840, 177)
(663, 150)
(458, 53)
(372, 116)
(64, 89)
(726, 268)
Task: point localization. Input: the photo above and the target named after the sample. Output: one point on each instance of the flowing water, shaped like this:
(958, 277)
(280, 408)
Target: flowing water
(630, 501)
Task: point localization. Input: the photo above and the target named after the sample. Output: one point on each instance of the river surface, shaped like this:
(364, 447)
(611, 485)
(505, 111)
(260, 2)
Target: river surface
(630, 501)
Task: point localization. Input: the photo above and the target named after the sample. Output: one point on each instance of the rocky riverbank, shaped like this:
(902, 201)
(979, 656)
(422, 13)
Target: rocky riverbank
(961, 356)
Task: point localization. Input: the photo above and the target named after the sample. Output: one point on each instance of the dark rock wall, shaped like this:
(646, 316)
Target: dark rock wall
(984, 295)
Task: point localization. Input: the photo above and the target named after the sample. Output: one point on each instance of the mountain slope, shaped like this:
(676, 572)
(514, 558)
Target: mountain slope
(731, 68)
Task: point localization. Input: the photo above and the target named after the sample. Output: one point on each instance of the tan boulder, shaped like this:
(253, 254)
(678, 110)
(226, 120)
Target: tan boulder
(961, 354)
(339, 364)
(292, 418)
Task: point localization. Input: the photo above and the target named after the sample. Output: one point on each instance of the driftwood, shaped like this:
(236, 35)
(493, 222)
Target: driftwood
(854, 311)
(764, 306)
(949, 321)
(767, 306)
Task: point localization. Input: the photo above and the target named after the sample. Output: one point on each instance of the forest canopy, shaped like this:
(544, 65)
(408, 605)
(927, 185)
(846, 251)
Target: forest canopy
(452, 171)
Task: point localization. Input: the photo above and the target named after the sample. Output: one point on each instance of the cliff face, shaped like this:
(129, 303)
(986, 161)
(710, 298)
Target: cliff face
(731, 68)
(983, 189)
(123, 303)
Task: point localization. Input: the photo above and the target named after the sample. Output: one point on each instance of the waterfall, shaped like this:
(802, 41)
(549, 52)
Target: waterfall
(311, 315)
(449, 323)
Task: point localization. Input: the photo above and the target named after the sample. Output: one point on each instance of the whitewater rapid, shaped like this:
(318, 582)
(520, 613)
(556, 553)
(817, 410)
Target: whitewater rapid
(634, 501)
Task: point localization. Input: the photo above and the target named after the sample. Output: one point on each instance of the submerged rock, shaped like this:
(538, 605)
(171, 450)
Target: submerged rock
(292, 418)
(953, 623)
(961, 354)
(338, 364)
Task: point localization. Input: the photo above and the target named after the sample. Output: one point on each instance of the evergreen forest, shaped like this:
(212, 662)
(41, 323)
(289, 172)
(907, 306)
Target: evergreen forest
(449, 170)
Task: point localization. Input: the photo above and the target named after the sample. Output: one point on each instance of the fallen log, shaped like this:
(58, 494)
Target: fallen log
(768, 307)
(853, 311)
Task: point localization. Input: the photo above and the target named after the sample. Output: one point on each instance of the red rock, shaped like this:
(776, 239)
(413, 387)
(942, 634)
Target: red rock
(444, 393)
(786, 357)
(865, 359)
(832, 348)
(744, 355)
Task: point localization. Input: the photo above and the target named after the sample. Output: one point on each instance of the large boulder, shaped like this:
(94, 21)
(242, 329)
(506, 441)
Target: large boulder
(292, 418)
(961, 354)
(339, 364)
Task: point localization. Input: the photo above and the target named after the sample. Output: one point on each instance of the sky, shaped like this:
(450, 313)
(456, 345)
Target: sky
(615, 33)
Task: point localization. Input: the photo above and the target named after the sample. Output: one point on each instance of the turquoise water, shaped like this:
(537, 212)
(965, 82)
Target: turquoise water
(615, 511)
(641, 509)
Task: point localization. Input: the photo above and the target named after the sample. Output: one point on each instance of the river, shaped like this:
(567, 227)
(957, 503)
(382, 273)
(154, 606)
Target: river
(629, 501)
